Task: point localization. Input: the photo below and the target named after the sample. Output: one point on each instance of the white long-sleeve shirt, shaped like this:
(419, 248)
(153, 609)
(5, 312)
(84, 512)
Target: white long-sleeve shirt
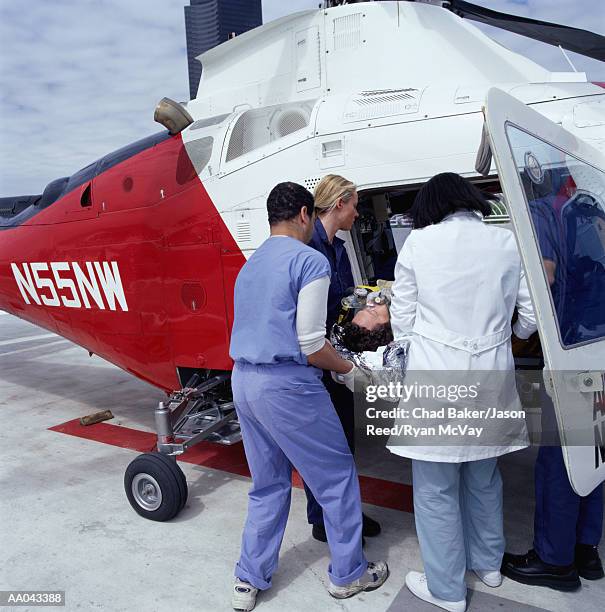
(311, 313)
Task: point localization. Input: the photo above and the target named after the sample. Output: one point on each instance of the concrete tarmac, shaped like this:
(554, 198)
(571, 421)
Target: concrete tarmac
(65, 522)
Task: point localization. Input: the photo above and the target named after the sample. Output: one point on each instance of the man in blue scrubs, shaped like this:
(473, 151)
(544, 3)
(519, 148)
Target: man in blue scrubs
(285, 413)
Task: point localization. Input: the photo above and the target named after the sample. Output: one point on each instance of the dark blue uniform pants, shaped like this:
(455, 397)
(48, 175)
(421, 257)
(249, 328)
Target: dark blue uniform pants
(562, 518)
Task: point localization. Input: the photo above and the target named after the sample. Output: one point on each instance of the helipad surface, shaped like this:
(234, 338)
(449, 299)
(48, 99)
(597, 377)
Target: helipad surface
(65, 523)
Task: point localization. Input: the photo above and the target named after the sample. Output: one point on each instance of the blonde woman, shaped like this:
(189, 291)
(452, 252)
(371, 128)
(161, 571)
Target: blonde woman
(336, 205)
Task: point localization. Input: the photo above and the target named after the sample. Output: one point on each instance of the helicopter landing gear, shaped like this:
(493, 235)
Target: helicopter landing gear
(155, 486)
(154, 483)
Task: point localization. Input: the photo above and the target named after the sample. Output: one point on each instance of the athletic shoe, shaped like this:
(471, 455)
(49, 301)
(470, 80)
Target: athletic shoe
(373, 578)
(416, 582)
(491, 579)
(244, 596)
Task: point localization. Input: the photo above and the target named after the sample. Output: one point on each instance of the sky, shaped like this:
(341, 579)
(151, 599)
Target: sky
(81, 78)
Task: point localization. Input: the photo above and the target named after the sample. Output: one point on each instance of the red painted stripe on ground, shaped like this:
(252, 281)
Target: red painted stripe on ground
(232, 459)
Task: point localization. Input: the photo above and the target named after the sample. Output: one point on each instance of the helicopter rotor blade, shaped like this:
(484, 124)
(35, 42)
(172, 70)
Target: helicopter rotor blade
(573, 39)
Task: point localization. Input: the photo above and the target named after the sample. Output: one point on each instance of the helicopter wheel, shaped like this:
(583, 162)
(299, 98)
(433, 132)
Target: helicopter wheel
(155, 486)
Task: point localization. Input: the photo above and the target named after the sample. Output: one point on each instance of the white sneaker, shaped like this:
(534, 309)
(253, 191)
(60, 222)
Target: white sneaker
(490, 578)
(373, 578)
(416, 582)
(244, 596)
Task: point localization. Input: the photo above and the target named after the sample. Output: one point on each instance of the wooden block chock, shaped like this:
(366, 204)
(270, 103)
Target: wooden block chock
(97, 417)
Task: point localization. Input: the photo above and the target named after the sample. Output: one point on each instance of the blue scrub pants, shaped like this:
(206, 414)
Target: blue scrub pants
(287, 419)
(343, 402)
(562, 518)
(458, 514)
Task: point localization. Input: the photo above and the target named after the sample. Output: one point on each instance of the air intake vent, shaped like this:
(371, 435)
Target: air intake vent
(261, 126)
(243, 231)
(202, 123)
(347, 32)
(311, 183)
(382, 103)
(289, 121)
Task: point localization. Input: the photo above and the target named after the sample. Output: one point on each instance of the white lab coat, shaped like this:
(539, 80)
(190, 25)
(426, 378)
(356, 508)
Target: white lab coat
(455, 290)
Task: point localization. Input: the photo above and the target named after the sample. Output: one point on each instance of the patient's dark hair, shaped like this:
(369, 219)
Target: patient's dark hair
(359, 339)
(286, 200)
(443, 195)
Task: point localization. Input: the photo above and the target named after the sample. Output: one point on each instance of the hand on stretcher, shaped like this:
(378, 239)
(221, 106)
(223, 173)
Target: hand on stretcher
(355, 377)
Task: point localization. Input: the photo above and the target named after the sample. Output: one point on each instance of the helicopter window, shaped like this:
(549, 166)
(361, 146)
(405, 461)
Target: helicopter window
(86, 198)
(15, 210)
(130, 150)
(261, 126)
(200, 152)
(60, 187)
(565, 197)
(53, 191)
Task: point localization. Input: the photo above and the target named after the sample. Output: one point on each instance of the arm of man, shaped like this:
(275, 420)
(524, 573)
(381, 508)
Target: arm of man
(311, 328)
(550, 267)
(525, 325)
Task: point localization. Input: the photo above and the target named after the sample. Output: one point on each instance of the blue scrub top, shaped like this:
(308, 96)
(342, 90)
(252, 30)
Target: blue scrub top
(552, 242)
(341, 276)
(265, 301)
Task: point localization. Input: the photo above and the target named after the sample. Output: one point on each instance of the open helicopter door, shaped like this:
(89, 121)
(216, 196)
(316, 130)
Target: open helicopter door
(554, 185)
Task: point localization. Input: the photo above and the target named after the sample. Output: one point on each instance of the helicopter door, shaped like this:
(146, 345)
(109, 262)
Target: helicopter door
(554, 185)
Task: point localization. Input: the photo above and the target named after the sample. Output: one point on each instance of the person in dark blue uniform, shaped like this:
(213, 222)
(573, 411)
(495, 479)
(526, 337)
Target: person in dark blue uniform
(567, 527)
(336, 204)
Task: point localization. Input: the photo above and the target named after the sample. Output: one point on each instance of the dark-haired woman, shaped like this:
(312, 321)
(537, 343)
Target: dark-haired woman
(457, 282)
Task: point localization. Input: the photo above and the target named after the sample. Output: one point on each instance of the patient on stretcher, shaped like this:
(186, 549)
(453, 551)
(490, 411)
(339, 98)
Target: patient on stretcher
(367, 341)
(369, 329)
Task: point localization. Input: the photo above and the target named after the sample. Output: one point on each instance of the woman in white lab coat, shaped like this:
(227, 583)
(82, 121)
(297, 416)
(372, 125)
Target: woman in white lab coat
(457, 282)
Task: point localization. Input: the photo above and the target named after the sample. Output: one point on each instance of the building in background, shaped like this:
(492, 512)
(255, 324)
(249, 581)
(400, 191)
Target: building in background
(208, 23)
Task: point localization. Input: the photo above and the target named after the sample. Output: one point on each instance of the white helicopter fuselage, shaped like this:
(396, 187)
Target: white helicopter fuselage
(384, 93)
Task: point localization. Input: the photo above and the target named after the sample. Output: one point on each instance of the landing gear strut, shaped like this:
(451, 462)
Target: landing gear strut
(154, 483)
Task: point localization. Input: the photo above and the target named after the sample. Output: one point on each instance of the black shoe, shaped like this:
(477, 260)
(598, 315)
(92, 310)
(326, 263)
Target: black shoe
(530, 569)
(371, 528)
(588, 563)
(319, 533)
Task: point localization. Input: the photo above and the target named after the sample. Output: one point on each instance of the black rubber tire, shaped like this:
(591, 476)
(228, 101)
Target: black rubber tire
(171, 462)
(169, 481)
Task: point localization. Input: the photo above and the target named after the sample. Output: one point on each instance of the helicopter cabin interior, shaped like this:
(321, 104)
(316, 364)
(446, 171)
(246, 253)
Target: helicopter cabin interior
(383, 225)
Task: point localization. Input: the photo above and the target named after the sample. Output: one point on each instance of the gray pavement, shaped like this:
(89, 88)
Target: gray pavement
(65, 522)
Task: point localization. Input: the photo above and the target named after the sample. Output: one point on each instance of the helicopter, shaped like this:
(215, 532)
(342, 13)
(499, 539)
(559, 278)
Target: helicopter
(135, 256)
